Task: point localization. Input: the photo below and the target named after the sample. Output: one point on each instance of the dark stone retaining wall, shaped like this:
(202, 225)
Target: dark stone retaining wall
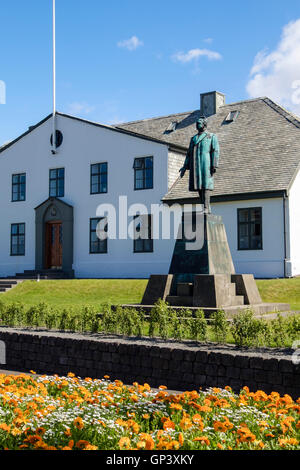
(179, 366)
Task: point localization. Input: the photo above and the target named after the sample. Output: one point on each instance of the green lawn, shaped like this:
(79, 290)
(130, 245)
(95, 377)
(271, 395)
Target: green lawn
(78, 292)
(281, 290)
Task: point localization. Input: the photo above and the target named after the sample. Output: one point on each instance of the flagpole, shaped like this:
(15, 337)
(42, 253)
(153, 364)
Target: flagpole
(54, 81)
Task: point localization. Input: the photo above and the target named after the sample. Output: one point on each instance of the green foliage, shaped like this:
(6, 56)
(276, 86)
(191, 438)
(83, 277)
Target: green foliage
(245, 328)
(199, 326)
(163, 321)
(219, 325)
(176, 326)
(160, 314)
(279, 331)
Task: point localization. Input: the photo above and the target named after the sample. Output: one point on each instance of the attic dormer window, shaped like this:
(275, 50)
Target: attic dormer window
(231, 117)
(171, 127)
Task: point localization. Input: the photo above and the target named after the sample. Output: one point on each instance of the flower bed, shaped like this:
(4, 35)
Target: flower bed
(70, 413)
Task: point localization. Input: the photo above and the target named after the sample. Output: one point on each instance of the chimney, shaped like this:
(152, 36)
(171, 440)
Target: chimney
(211, 102)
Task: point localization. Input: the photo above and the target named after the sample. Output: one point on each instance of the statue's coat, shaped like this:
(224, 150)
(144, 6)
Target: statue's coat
(202, 156)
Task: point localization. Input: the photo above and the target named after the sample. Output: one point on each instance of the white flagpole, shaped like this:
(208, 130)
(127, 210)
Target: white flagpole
(54, 82)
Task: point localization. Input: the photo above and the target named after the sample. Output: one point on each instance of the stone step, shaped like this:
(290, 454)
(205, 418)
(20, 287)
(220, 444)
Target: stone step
(185, 289)
(176, 300)
(232, 289)
(238, 300)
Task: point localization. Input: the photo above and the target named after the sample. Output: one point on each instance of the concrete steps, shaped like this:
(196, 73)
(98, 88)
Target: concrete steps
(44, 274)
(8, 284)
(185, 298)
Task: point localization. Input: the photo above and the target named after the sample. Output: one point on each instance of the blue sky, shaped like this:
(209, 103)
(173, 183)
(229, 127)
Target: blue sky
(131, 59)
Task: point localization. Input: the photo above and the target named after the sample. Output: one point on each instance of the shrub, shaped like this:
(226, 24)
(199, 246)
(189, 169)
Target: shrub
(176, 326)
(199, 326)
(159, 315)
(279, 331)
(109, 322)
(245, 328)
(219, 326)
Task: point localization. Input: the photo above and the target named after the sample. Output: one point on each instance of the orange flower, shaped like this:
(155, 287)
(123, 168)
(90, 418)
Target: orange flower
(82, 444)
(176, 406)
(185, 423)
(218, 426)
(202, 440)
(168, 424)
(124, 442)
(78, 423)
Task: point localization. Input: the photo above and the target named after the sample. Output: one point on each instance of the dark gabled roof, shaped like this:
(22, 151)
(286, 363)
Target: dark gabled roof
(260, 151)
(132, 133)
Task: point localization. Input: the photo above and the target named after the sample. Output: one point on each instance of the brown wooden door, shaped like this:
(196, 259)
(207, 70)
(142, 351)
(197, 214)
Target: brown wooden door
(54, 245)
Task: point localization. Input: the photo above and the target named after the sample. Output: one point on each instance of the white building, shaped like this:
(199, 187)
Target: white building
(49, 201)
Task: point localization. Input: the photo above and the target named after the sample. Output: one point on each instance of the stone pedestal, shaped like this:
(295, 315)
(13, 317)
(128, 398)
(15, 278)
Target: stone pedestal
(202, 274)
(210, 254)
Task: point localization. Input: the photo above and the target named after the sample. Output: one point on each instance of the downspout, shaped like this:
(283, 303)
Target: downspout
(286, 231)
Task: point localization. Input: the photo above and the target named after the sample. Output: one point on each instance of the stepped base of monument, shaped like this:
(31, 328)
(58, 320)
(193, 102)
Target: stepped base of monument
(258, 309)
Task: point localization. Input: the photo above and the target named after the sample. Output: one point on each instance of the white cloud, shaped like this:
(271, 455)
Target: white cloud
(80, 108)
(208, 40)
(131, 44)
(195, 55)
(276, 74)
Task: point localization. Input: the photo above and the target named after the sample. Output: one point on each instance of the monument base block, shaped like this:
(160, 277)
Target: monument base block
(202, 274)
(217, 291)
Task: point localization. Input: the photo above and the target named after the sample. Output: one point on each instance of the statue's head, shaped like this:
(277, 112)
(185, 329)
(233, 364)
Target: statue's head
(201, 123)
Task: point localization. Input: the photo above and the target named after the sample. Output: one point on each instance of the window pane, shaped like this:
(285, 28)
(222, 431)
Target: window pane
(61, 188)
(95, 169)
(149, 163)
(148, 183)
(14, 240)
(103, 168)
(139, 184)
(148, 245)
(94, 247)
(95, 180)
(255, 215)
(14, 229)
(138, 163)
(94, 223)
(138, 245)
(243, 215)
(14, 249)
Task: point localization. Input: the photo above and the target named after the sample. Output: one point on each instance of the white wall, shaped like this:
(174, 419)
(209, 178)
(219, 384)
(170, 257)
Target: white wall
(83, 145)
(294, 218)
(265, 263)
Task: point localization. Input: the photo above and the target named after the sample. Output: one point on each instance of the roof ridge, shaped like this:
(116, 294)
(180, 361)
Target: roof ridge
(189, 112)
(158, 117)
(291, 117)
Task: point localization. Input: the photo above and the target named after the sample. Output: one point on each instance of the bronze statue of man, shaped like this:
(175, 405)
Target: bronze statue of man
(202, 159)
